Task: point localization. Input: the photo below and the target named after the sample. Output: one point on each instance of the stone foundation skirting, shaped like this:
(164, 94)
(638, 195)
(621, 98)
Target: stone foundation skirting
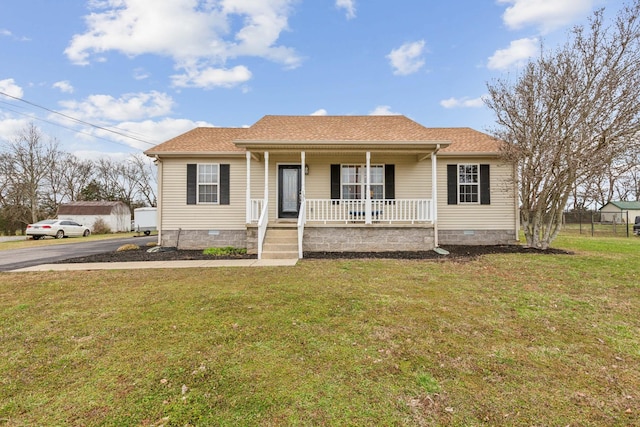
(367, 239)
(476, 237)
(202, 239)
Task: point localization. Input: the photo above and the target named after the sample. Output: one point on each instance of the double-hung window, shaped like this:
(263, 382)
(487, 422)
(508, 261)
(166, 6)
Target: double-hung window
(468, 183)
(354, 182)
(208, 183)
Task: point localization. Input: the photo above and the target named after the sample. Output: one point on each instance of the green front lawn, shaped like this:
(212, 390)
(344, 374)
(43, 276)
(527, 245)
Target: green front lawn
(505, 340)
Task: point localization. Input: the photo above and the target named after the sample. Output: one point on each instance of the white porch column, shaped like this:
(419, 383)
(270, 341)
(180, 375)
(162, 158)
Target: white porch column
(367, 214)
(248, 196)
(434, 194)
(303, 181)
(266, 177)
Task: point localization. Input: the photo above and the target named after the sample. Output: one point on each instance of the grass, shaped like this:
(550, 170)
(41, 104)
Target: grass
(513, 340)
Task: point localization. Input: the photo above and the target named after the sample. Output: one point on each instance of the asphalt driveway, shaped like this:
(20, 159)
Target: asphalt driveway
(12, 259)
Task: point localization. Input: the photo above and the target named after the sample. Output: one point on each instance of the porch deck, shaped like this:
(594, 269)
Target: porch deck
(344, 211)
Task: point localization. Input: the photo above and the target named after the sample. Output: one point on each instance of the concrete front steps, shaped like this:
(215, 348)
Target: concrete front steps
(280, 242)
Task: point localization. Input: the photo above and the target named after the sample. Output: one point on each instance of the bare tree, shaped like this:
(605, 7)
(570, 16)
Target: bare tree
(568, 113)
(76, 174)
(28, 159)
(147, 183)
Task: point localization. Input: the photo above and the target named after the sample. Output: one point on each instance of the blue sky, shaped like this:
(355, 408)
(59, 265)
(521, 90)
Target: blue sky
(151, 70)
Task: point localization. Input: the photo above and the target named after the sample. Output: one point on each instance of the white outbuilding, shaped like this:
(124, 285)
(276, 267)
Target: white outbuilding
(619, 211)
(116, 215)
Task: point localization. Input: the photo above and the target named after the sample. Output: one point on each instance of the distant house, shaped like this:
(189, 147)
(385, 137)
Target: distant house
(294, 184)
(617, 211)
(116, 215)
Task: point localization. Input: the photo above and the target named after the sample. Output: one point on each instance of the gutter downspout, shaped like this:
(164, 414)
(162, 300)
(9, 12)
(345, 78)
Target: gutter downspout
(158, 163)
(434, 193)
(516, 193)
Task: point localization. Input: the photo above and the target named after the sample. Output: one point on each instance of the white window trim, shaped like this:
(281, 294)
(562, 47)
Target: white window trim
(363, 184)
(198, 184)
(477, 184)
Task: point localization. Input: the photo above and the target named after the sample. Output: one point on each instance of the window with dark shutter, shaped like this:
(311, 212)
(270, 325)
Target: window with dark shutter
(452, 184)
(335, 182)
(208, 184)
(485, 185)
(468, 183)
(192, 183)
(224, 184)
(389, 181)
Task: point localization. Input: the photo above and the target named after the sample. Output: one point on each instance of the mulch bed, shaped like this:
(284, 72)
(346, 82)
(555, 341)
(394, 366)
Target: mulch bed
(456, 253)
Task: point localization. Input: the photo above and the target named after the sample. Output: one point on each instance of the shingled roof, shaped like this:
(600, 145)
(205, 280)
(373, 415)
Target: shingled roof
(92, 208)
(202, 140)
(337, 128)
(326, 129)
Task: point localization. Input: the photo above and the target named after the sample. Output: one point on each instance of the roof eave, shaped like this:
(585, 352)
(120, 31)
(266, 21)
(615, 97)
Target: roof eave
(469, 154)
(263, 144)
(151, 153)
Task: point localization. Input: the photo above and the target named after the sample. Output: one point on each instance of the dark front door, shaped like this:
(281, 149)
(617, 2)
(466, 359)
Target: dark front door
(289, 191)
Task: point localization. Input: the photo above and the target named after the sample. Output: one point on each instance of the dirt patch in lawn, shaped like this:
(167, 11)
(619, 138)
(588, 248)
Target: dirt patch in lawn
(456, 253)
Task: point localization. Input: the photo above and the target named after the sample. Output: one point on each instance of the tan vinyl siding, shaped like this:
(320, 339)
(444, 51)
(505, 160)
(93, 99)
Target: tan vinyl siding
(177, 214)
(499, 215)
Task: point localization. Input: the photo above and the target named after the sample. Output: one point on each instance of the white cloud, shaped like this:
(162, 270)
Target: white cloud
(10, 87)
(547, 15)
(140, 74)
(320, 112)
(462, 102)
(64, 86)
(10, 127)
(383, 110)
(349, 6)
(5, 32)
(131, 106)
(199, 35)
(518, 53)
(151, 131)
(407, 59)
(212, 77)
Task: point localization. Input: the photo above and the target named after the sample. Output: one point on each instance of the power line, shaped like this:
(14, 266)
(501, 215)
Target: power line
(59, 125)
(77, 120)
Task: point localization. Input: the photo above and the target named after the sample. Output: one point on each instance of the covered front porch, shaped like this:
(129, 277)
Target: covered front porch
(361, 208)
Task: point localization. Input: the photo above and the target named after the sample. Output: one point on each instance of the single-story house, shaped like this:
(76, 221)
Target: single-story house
(116, 215)
(293, 184)
(618, 212)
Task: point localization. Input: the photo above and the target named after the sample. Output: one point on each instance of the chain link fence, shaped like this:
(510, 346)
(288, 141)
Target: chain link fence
(595, 223)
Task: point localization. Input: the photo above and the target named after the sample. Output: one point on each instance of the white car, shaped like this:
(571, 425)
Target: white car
(57, 228)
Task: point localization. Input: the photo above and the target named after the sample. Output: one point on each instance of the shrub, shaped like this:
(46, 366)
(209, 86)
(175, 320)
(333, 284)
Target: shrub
(128, 247)
(100, 226)
(227, 250)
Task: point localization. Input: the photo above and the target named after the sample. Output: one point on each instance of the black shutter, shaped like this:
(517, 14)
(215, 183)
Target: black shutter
(192, 182)
(452, 184)
(335, 182)
(389, 181)
(485, 193)
(224, 185)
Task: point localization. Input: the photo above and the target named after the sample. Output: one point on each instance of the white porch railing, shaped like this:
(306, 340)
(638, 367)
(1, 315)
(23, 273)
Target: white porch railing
(262, 227)
(350, 211)
(301, 221)
(256, 209)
